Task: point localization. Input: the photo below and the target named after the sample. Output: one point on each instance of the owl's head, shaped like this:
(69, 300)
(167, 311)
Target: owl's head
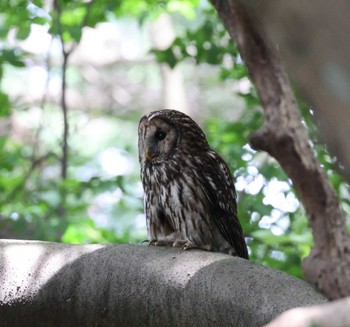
(166, 132)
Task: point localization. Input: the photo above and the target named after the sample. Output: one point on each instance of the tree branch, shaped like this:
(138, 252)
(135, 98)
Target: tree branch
(64, 160)
(66, 53)
(35, 162)
(123, 285)
(314, 43)
(284, 137)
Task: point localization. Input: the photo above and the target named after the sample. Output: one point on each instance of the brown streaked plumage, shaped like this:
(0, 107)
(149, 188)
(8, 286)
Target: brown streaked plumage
(190, 198)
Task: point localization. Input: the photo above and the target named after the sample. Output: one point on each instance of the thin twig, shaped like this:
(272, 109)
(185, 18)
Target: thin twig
(22, 184)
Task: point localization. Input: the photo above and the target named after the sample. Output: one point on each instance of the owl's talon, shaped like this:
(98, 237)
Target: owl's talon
(184, 248)
(163, 243)
(184, 245)
(168, 243)
(153, 242)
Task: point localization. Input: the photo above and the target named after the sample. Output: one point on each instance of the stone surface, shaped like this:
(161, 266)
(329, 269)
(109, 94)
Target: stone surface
(53, 284)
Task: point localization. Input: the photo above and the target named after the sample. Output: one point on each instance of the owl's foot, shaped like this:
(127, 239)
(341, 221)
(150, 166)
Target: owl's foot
(167, 240)
(153, 242)
(169, 243)
(163, 243)
(187, 245)
(184, 245)
(158, 243)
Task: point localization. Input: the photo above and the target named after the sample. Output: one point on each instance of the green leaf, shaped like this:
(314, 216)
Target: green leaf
(12, 56)
(5, 107)
(23, 32)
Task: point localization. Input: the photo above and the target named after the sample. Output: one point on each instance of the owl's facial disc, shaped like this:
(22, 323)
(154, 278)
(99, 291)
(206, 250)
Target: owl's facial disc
(160, 141)
(154, 144)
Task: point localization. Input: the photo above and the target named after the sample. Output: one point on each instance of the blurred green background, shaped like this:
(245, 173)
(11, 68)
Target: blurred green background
(113, 61)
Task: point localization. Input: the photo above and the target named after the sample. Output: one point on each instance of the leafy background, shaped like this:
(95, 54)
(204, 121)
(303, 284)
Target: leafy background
(111, 62)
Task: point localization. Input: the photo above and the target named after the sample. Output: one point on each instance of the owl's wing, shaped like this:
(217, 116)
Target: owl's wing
(220, 190)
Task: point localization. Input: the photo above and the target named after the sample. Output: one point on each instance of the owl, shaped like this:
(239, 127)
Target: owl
(189, 195)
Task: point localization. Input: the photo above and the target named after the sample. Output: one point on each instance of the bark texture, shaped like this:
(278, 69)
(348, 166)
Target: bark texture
(53, 284)
(314, 42)
(285, 138)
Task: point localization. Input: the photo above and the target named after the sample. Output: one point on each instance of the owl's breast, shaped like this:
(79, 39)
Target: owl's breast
(175, 192)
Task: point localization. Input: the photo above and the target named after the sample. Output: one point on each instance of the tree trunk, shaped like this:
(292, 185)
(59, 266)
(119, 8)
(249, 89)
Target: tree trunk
(53, 284)
(313, 38)
(284, 137)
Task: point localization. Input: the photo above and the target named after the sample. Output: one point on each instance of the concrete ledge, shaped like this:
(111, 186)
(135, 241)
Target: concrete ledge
(53, 284)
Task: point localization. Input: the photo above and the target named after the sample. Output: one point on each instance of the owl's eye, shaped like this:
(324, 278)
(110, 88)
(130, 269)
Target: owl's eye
(160, 135)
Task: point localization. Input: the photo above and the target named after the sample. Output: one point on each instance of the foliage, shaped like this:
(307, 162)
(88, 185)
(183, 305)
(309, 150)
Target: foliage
(94, 205)
(35, 201)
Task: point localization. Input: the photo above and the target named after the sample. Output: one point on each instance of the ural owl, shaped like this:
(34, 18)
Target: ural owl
(189, 195)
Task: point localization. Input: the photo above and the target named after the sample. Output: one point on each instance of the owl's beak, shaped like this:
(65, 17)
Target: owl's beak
(148, 154)
(151, 152)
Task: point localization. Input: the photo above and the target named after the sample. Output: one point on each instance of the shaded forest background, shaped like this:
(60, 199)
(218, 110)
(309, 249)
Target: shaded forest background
(76, 77)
